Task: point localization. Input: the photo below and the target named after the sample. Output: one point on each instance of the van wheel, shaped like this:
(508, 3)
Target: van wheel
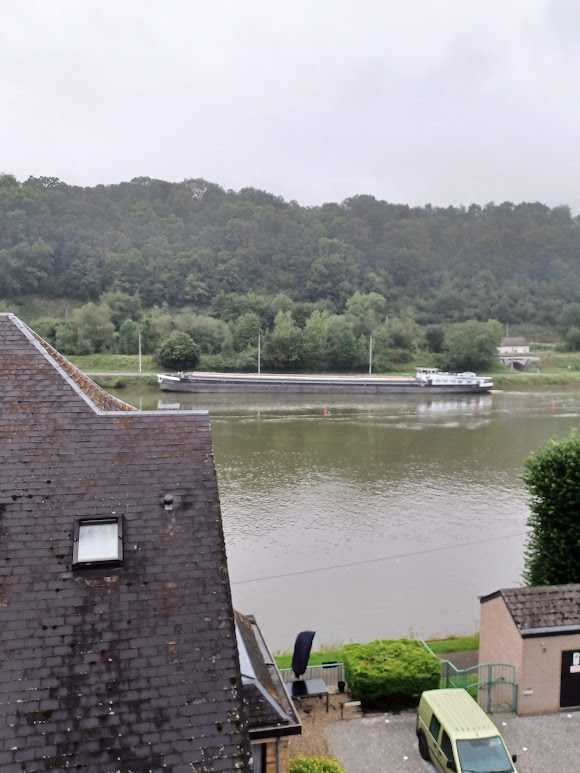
(423, 746)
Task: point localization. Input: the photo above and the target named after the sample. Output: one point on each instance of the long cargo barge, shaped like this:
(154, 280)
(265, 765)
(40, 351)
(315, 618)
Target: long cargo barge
(428, 381)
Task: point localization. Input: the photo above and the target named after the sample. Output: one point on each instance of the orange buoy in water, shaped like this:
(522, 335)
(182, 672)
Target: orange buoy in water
(326, 411)
(553, 405)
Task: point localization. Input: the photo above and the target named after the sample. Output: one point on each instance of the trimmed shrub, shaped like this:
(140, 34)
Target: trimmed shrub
(383, 670)
(314, 765)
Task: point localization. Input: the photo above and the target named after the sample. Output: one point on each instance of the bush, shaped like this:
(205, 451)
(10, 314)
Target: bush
(314, 765)
(384, 670)
(552, 477)
(246, 361)
(112, 382)
(179, 351)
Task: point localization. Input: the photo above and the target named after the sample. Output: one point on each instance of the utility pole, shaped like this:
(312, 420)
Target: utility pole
(259, 337)
(371, 354)
(139, 350)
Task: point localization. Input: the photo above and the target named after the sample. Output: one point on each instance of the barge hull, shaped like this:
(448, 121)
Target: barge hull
(216, 386)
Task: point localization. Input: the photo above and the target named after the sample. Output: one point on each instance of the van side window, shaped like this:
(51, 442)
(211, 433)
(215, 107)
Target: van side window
(434, 727)
(446, 747)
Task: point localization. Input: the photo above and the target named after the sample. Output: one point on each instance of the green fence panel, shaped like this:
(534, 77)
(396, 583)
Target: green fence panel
(492, 685)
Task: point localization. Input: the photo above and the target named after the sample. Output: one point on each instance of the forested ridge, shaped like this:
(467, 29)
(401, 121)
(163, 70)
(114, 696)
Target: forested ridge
(185, 243)
(197, 271)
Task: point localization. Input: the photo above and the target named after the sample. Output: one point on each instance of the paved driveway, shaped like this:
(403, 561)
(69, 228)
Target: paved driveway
(387, 743)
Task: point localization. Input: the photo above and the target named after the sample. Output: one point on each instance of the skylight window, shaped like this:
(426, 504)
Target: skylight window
(98, 541)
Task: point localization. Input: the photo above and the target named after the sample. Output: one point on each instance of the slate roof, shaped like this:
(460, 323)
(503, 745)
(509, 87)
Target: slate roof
(94, 392)
(133, 669)
(270, 709)
(542, 608)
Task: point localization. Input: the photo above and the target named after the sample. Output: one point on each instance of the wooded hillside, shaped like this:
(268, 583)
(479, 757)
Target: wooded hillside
(187, 243)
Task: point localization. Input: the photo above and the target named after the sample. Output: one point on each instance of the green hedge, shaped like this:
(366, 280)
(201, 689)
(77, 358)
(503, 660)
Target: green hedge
(314, 765)
(389, 669)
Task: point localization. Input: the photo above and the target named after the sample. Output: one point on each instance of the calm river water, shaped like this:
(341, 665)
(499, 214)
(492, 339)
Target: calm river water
(388, 517)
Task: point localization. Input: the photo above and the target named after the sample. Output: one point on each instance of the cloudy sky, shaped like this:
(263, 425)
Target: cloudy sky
(415, 101)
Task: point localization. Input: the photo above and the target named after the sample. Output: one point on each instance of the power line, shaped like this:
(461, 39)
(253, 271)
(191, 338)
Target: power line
(381, 558)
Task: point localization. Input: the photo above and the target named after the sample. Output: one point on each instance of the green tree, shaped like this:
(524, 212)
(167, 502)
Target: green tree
(128, 340)
(212, 335)
(315, 341)
(66, 339)
(32, 265)
(570, 317)
(382, 361)
(149, 335)
(552, 477)
(122, 305)
(360, 304)
(195, 290)
(94, 328)
(283, 347)
(178, 352)
(471, 345)
(572, 339)
(403, 332)
(282, 303)
(45, 327)
(434, 338)
(341, 343)
(246, 330)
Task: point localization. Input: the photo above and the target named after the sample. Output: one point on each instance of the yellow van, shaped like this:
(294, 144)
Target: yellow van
(456, 734)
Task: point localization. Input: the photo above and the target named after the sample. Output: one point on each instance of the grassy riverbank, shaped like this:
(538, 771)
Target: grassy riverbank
(334, 654)
(114, 363)
(555, 369)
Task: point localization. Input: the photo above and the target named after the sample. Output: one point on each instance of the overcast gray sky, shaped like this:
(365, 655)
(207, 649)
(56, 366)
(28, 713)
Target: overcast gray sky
(415, 101)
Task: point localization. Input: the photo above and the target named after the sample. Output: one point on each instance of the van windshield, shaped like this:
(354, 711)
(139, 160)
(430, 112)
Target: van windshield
(484, 755)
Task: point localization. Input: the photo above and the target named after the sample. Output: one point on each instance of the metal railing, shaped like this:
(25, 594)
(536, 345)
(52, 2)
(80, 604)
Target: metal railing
(492, 685)
(331, 673)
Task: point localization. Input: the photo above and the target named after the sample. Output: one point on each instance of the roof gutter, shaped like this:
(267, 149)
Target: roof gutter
(553, 630)
(275, 732)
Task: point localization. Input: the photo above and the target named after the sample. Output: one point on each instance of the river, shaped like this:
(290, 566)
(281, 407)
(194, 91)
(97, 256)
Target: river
(387, 516)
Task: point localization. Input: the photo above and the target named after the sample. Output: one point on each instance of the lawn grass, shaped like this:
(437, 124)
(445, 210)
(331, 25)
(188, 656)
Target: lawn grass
(334, 654)
(454, 644)
(114, 363)
(324, 655)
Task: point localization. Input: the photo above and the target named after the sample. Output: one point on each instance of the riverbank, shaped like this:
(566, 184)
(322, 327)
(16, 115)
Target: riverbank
(517, 382)
(116, 371)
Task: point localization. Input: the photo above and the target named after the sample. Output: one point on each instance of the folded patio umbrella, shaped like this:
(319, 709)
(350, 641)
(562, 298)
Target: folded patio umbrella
(302, 648)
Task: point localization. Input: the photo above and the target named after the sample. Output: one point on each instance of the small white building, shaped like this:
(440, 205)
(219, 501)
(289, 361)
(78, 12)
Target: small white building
(513, 346)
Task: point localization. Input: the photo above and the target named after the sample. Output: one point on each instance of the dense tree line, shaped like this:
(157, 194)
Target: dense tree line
(290, 335)
(194, 243)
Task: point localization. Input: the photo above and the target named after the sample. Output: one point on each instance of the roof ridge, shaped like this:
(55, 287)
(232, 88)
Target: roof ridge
(102, 399)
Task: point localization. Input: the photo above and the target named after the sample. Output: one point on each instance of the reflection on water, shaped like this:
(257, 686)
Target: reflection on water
(386, 516)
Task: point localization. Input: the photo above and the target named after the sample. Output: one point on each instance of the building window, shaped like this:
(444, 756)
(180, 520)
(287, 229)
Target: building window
(98, 541)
